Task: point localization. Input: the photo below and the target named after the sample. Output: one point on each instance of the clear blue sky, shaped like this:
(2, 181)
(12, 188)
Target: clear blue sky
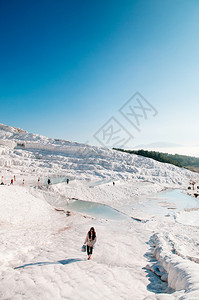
(67, 66)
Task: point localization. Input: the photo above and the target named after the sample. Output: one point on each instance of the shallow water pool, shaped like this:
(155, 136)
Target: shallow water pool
(179, 198)
(95, 209)
(173, 200)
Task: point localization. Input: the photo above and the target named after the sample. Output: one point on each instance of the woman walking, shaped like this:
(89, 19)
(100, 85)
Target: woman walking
(90, 241)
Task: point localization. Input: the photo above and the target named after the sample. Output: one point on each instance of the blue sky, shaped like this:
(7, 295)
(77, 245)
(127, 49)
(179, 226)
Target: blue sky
(67, 66)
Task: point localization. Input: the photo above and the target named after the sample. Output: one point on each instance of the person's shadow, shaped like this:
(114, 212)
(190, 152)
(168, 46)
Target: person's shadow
(43, 263)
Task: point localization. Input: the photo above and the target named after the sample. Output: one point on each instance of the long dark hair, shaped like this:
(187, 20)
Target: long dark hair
(94, 233)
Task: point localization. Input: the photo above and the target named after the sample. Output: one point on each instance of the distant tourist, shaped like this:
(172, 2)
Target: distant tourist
(90, 241)
(14, 178)
(39, 181)
(2, 181)
(48, 181)
(11, 182)
(67, 180)
(113, 183)
(23, 182)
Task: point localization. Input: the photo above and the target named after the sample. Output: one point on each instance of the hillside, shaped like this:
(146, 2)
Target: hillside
(189, 162)
(31, 155)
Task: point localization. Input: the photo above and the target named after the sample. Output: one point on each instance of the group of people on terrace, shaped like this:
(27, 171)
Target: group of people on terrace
(13, 180)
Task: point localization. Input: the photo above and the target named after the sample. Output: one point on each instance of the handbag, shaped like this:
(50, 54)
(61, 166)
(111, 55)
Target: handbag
(84, 248)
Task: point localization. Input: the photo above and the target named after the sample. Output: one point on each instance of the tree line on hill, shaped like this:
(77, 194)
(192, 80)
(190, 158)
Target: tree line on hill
(183, 161)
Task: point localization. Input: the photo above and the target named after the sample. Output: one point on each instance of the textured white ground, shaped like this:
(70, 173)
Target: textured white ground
(40, 248)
